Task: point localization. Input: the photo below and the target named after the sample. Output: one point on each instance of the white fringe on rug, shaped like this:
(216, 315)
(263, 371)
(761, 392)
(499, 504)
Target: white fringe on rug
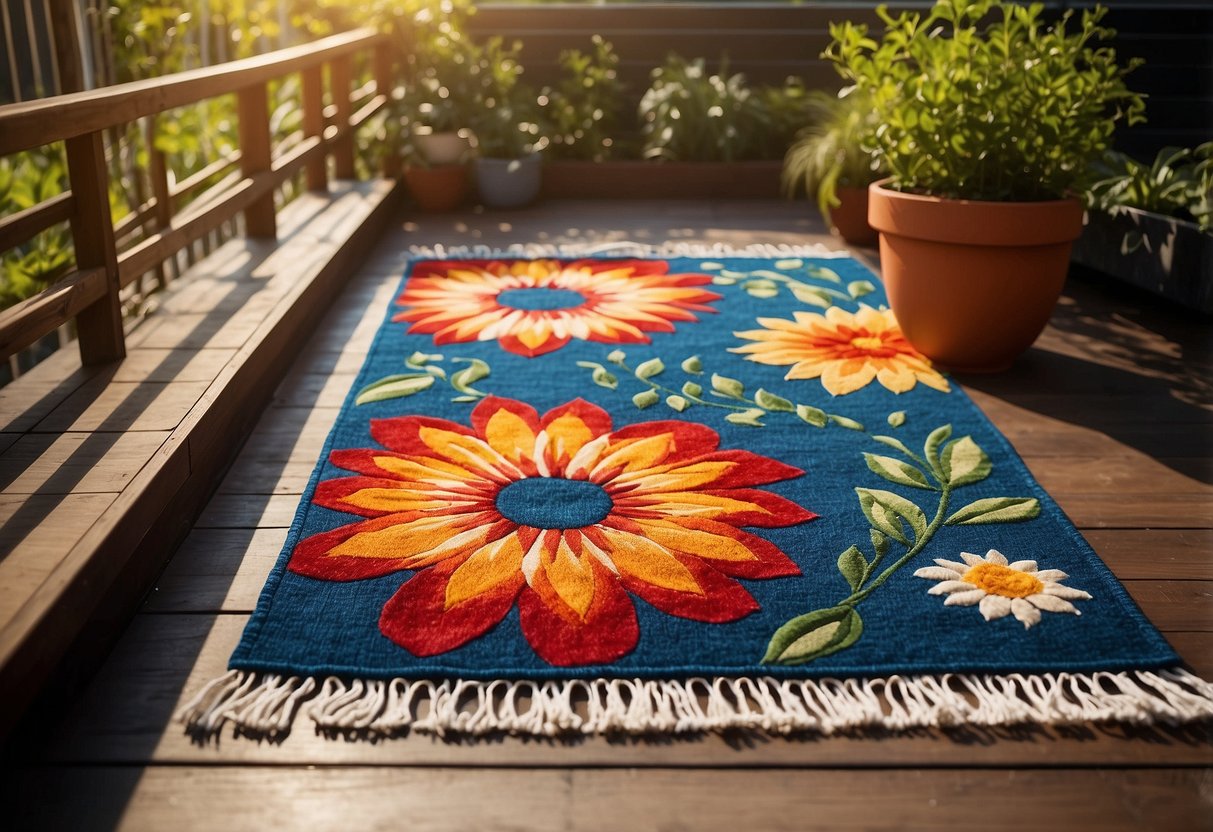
(266, 704)
(628, 249)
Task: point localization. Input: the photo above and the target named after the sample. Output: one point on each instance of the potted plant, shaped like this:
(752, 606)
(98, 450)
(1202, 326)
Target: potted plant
(1152, 225)
(435, 188)
(443, 79)
(508, 136)
(833, 160)
(989, 121)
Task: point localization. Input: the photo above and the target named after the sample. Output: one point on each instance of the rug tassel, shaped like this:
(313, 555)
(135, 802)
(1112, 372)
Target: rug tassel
(266, 704)
(626, 249)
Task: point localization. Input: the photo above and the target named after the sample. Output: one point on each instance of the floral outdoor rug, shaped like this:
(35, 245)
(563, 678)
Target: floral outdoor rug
(676, 493)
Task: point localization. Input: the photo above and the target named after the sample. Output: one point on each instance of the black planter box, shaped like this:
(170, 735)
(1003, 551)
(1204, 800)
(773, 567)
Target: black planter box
(1164, 255)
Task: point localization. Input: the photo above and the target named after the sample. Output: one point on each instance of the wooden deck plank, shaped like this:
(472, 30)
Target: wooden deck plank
(125, 717)
(67, 463)
(102, 405)
(159, 798)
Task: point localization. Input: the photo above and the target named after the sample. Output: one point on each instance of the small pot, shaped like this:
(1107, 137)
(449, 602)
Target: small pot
(509, 183)
(849, 219)
(972, 283)
(445, 148)
(438, 189)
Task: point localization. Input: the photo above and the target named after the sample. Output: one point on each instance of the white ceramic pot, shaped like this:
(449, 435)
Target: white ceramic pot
(509, 183)
(447, 148)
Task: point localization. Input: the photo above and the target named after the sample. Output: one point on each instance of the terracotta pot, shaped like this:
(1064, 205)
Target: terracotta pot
(446, 148)
(972, 283)
(438, 189)
(849, 219)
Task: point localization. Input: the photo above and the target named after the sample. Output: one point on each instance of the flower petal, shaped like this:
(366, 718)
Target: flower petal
(1023, 566)
(1025, 613)
(418, 619)
(949, 587)
(608, 632)
(1045, 575)
(939, 573)
(1067, 592)
(994, 606)
(1051, 603)
(965, 599)
(995, 556)
(728, 549)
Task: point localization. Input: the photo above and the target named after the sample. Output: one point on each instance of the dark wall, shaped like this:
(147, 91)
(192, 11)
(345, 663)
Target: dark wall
(770, 42)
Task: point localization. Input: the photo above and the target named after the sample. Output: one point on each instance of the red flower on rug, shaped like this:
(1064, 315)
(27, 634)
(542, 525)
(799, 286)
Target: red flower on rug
(532, 307)
(562, 515)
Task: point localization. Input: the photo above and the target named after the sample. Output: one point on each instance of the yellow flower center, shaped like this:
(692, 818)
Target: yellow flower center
(996, 579)
(867, 342)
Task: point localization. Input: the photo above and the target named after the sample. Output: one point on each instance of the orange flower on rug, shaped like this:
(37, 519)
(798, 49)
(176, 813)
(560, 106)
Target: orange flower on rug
(845, 350)
(561, 514)
(532, 307)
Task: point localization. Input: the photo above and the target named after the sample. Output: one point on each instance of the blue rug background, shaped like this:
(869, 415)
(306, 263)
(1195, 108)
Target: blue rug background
(307, 626)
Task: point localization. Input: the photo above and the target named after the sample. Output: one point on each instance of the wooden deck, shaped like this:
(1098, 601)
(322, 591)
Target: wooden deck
(1112, 410)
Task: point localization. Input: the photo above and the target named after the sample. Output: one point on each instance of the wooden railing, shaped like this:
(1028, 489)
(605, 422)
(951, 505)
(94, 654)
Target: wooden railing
(90, 294)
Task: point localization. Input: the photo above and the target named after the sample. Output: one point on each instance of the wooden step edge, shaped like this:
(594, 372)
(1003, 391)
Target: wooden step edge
(80, 609)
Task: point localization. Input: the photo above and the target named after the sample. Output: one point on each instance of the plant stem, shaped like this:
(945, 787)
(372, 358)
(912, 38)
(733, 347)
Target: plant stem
(919, 544)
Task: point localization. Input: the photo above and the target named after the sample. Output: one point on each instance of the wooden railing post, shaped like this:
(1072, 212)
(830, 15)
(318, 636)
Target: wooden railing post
(255, 156)
(99, 325)
(157, 172)
(385, 83)
(340, 82)
(313, 125)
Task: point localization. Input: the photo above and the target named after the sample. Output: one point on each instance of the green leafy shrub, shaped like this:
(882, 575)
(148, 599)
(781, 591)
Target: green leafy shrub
(835, 150)
(688, 114)
(584, 110)
(979, 99)
(27, 179)
(507, 117)
(1178, 183)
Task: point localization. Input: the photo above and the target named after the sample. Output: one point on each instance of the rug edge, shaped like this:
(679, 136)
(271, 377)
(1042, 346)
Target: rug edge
(266, 705)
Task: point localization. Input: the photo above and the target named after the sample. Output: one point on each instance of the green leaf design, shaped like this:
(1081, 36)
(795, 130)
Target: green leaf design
(650, 368)
(749, 417)
(964, 462)
(813, 415)
(419, 359)
(859, 288)
(896, 471)
(393, 387)
(677, 403)
(844, 422)
(822, 273)
(813, 635)
(788, 265)
(756, 290)
(996, 510)
(463, 399)
(893, 442)
(692, 389)
(770, 401)
(879, 542)
(603, 378)
(930, 449)
(646, 398)
(897, 419)
(617, 356)
(812, 296)
(711, 266)
(469, 375)
(852, 564)
(435, 371)
(724, 281)
(887, 511)
(692, 365)
(726, 386)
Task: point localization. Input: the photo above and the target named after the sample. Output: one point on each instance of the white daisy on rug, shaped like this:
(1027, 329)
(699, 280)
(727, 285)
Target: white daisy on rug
(1000, 588)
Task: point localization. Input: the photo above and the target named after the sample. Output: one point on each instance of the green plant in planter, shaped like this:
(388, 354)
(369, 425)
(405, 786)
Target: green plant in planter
(990, 121)
(1178, 183)
(835, 150)
(507, 120)
(979, 99)
(584, 108)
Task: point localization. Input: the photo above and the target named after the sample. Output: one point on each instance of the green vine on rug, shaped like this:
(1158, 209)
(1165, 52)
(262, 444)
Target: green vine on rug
(726, 393)
(943, 467)
(766, 283)
(430, 370)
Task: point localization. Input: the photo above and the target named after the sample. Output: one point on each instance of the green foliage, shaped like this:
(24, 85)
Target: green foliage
(585, 108)
(979, 99)
(688, 114)
(507, 114)
(835, 150)
(1178, 183)
(27, 179)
